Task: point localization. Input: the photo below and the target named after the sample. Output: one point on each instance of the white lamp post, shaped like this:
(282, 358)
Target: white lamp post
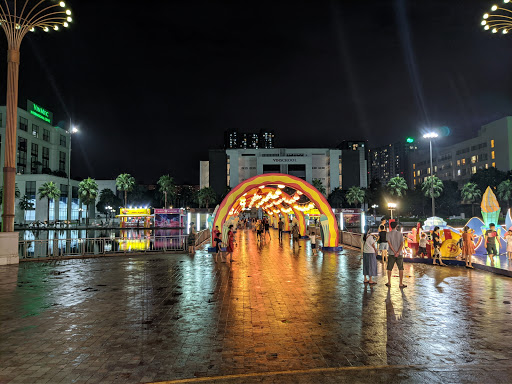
(391, 207)
(71, 131)
(430, 136)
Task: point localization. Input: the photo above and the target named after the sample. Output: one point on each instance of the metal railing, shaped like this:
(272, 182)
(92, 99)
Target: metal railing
(30, 249)
(351, 238)
(202, 236)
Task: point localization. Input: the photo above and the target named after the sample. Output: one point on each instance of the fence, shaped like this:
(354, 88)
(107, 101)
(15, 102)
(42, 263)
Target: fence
(351, 238)
(202, 236)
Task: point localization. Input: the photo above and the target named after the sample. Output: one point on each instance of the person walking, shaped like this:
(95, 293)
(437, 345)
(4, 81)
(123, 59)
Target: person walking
(436, 242)
(396, 243)
(312, 239)
(422, 246)
(191, 241)
(383, 243)
(231, 243)
(215, 233)
(280, 227)
(369, 258)
(295, 235)
(218, 241)
(266, 225)
(468, 246)
(508, 239)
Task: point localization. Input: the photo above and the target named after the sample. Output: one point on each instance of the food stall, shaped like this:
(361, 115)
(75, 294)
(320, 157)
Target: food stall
(135, 217)
(169, 218)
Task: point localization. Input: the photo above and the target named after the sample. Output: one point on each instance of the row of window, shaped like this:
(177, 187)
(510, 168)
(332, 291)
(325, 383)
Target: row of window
(34, 157)
(23, 126)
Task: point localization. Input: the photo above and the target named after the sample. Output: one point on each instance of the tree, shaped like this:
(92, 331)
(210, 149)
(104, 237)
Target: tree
(317, 183)
(108, 198)
(491, 177)
(449, 201)
(432, 184)
(50, 191)
(397, 186)
(25, 204)
(87, 193)
(336, 198)
(505, 191)
(206, 196)
(355, 195)
(17, 193)
(167, 187)
(470, 195)
(125, 182)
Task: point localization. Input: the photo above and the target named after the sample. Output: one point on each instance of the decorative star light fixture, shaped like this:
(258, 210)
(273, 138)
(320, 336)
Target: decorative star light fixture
(17, 18)
(499, 19)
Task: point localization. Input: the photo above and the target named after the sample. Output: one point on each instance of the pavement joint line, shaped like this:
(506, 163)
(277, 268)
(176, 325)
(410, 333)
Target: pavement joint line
(323, 370)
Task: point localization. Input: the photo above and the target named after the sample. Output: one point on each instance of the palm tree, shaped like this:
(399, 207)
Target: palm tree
(16, 192)
(206, 196)
(355, 195)
(433, 185)
(470, 194)
(317, 183)
(125, 182)
(397, 186)
(25, 204)
(50, 191)
(505, 191)
(87, 193)
(167, 187)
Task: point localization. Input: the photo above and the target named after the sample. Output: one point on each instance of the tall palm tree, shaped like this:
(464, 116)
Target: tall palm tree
(397, 186)
(505, 191)
(125, 182)
(355, 195)
(432, 185)
(317, 183)
(471, 194)
(87, 193)
(25, 204)
(206, 196)
(50, 191)
(167, 187)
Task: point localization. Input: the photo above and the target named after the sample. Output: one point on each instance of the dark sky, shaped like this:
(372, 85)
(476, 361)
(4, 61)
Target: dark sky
(154, 84)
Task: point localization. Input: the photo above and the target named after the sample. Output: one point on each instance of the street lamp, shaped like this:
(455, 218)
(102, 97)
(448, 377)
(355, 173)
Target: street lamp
(430, 136)
(391, 207)
(72, 130)
(17, 19)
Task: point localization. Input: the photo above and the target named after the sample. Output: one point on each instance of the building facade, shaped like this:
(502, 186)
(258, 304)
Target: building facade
(491, 148)
(393, 160)
(42, 155)
(333, 167)
(234, 139)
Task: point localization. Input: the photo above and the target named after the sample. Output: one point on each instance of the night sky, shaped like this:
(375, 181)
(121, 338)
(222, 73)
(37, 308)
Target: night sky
(153, 84)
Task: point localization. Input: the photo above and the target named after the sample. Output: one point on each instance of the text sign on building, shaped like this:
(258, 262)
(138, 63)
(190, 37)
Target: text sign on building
(284, 160)
(170, 211)
(135, 211)
(39, 112)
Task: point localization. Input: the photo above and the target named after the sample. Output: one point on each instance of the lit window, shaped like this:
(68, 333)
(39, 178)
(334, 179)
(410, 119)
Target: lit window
(463, 161)
(414, 181)
(492, 143)
(428, 170)
(414, 166)
(473, 169)
(473, 159)
(486, 166)
(414, 174)
(494, 165)
(458, 172)
(458, 163)
(435, 168)
(492, 155)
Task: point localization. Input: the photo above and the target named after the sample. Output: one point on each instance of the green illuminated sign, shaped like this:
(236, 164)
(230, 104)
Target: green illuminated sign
(39, 112)
(410, 140)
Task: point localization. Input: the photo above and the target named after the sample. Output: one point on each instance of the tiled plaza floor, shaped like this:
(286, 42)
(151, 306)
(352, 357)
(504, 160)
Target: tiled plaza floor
(165, 317)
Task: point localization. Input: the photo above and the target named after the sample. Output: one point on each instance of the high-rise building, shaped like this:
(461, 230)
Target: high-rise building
(234, 139)
(392, 160)
(354, 164)
(458, 162)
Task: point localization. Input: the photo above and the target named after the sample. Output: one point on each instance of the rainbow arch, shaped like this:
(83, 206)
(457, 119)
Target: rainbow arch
(229, 206)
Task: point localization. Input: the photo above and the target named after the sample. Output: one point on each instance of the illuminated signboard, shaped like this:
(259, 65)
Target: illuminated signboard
(135, 211)
(39, 112)
(313, 212)
(410, 140)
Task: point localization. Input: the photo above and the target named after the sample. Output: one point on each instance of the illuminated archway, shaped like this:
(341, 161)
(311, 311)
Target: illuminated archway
(231, 205)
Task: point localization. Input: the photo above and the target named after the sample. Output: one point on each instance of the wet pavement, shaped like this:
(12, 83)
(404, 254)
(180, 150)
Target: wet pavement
(277, 315)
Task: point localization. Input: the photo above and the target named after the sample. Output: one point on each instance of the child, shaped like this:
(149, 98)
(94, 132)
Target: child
(422, 248)
(312, 238)
(436, 239)
(508, 238)
(218, 242)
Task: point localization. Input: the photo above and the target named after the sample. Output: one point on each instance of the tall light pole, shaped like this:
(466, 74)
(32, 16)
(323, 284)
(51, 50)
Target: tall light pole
(71, 131)
(430, 136)
(17, 18)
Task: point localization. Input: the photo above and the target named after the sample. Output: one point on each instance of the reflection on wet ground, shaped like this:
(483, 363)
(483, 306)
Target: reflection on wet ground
(164, 317)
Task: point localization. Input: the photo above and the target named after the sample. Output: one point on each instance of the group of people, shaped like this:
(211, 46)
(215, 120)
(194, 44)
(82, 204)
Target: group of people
(217, 239)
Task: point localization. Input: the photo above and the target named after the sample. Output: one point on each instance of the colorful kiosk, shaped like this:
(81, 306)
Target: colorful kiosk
(135, 217)
(169, 218)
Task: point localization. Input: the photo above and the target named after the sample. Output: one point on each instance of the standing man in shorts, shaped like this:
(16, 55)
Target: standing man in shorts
(490, 241)
(396, 243)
